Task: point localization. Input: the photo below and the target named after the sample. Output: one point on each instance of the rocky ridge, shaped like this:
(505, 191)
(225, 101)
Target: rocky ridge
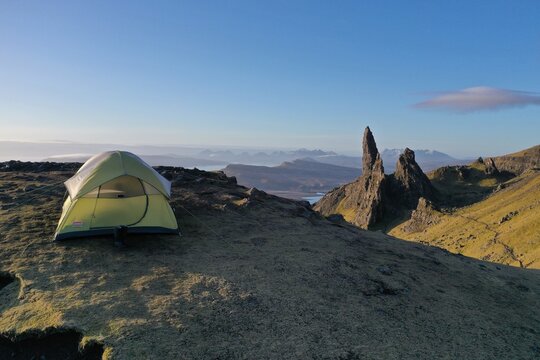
(375, 197)
(518, 162)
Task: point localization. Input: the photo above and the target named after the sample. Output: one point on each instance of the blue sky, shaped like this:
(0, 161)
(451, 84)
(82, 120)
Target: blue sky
(271, 74)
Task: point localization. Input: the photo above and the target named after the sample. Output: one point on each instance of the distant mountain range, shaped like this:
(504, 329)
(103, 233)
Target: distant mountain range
(289, 173)
(427, 159)
(269, 158)
(154, 160)
(202, 157)
(322, 171)
(185, 156)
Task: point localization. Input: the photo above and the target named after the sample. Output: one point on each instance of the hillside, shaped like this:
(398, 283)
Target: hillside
(463, 185)
(293, 178)
(504, 227)
(520, 161)
(468, 209)
(253, 276)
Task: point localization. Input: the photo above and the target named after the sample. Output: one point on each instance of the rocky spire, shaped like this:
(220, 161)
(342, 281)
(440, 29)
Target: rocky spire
(411, 182)
(375, 196)
(372, 183)
(370, 155)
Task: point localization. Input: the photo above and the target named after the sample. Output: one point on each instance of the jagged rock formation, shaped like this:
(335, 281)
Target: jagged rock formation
(518, 162)
(371, 154)
(491, 168)
(374, 196)
(425, 215)
(360, 202)
(372, 182)
(410, 182)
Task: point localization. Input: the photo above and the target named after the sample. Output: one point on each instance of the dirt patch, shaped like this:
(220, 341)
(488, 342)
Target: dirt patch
(5, 279)
(49, 344)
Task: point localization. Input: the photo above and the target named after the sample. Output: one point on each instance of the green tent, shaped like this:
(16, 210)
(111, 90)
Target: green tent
(112, 189)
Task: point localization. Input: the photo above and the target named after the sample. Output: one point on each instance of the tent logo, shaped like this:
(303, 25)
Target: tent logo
(77, 223)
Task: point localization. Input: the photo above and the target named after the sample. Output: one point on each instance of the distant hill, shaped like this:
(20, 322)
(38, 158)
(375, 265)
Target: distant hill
(267, 158)
(339, 160)
(298, 176)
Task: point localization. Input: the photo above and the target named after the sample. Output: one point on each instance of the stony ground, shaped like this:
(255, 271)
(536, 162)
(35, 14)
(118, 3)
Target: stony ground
(253, 277)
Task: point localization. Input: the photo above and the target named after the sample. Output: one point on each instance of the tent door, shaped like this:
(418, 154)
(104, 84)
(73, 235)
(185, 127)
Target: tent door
(122, 201)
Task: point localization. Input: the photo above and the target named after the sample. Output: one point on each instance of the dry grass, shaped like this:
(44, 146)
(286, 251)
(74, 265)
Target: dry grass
(481, 230)
(459, 186)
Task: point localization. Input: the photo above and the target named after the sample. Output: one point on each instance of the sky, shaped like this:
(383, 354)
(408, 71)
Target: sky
(457, 76)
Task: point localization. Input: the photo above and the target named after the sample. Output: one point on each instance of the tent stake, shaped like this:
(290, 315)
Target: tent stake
(120, 233)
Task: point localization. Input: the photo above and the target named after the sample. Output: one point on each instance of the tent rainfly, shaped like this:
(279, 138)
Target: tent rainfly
(112, 189)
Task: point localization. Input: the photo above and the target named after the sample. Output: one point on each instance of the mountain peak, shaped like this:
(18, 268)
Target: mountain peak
(371, 158)
(411, 182)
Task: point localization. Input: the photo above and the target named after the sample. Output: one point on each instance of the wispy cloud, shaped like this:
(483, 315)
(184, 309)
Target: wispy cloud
(480, 98)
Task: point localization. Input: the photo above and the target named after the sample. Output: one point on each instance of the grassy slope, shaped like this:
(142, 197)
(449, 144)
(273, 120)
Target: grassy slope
(519, 161)
(464, 185)
(477, 230)
(257, 277)
(529, 152)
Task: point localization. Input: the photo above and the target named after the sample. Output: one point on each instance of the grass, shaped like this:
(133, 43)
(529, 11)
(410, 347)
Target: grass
(459, 186)
(348, 213)
(478, 230)
(257, 276)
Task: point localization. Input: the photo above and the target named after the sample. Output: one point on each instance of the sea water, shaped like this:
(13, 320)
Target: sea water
(313, 198)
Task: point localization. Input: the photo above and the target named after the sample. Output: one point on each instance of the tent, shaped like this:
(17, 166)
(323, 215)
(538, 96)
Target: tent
(112, 189)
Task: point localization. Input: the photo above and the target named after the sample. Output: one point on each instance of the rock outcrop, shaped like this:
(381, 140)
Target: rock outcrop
(518, 162)
(426, 214)
(374, 196)
(362, 201)
(371, 159)
(491, 168)
(410, 182)
(372, 182)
